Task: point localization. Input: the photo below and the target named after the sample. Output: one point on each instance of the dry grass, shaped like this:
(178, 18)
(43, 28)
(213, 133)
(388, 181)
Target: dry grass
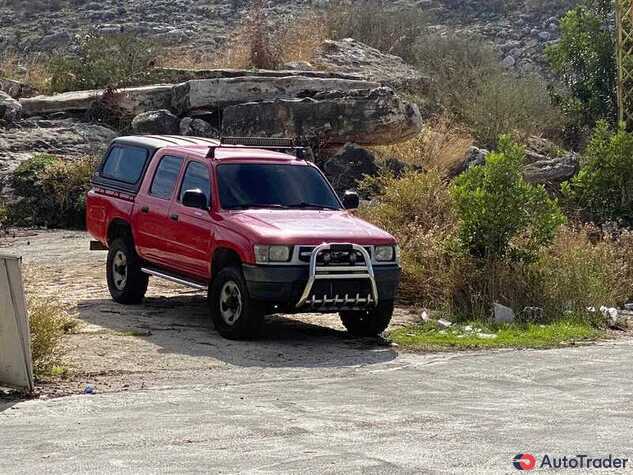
(440, 146)
(31, 70)
(259, 42)
(49, 322)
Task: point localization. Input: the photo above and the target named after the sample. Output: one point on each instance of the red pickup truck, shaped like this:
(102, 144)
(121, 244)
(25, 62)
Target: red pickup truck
(250, 221)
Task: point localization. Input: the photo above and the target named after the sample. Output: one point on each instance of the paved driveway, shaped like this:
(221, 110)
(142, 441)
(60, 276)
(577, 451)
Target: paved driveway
(446, 413)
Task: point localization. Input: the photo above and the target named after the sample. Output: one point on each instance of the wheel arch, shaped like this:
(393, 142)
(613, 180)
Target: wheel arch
(224, 257)
(118, 228)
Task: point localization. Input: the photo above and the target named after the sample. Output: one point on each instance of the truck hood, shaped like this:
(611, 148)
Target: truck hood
(306, 227)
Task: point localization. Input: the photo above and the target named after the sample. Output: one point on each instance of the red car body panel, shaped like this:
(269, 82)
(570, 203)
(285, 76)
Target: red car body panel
(187, 245)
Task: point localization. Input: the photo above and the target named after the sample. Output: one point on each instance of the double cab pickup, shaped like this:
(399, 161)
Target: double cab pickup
(251, 222)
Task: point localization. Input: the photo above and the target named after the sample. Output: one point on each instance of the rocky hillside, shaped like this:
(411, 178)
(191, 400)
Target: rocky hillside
(520, 28)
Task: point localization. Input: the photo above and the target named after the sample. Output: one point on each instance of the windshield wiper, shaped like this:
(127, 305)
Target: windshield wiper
(304, 204)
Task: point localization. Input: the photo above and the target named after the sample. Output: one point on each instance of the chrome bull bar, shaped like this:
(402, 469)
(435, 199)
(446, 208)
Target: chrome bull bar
(334, 272)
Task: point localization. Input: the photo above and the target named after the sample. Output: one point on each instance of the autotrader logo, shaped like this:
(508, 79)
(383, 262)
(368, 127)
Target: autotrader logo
(524, 462)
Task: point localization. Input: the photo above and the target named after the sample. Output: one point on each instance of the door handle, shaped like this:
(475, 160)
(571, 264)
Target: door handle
(145, 209)
(174, 217)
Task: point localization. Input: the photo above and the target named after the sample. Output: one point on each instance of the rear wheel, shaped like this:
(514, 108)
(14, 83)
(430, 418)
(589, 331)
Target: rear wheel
(126, 282)
(235, 315)
(368, 322)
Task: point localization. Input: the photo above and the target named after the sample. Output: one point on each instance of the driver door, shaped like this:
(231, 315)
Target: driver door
(195, 230)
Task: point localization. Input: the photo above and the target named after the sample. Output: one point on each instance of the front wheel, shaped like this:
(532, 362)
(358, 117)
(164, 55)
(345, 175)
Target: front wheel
(235, 315)
(368, 322)
(126, 282)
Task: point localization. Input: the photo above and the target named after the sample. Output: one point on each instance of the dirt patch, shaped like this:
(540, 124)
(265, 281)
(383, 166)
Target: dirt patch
(169, 339)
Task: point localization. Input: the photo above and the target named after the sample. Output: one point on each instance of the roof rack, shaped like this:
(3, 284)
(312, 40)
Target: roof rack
(283, 145)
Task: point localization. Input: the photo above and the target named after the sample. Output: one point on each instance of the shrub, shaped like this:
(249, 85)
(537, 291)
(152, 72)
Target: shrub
(260, 41)
(117, 61)
(603, 189)
(389, 28)
(507, 104)
(50, 191)
(29, 70)
(49, 322)
(577, 273)
(500, 214)
(584, 60)
(457, 66)
(469, 83)
(417, 209)
(440, 146)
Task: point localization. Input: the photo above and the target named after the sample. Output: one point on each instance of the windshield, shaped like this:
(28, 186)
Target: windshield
(252, 185)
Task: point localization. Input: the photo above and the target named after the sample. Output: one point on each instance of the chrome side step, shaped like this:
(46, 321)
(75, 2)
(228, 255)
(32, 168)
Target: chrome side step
(173, 278)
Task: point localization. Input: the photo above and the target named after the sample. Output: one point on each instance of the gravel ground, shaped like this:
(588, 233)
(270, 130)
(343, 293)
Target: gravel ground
(170, 337)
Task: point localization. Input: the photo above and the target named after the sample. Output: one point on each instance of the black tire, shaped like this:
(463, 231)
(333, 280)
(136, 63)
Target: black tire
(130, 290)
(367, 323)
(235, 315)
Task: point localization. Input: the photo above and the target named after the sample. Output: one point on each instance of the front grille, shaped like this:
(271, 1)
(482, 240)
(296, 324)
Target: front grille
(334, 258)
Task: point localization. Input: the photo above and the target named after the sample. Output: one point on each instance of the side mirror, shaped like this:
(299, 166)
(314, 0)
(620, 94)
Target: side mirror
(351, 200)
(195, 199)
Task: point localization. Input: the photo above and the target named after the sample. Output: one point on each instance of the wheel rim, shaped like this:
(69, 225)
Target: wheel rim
(230, 303)
(119, 270)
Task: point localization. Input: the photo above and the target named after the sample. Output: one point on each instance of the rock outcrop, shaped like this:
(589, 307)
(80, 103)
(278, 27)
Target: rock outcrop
(545, 163)
(548, 164)
(10, 109)
(133, 100)
(212, 94)
(349, 166)
(351, 56)
(160, 122)
(193, 127)
(16, 89)
(365, 117)
(67, 138)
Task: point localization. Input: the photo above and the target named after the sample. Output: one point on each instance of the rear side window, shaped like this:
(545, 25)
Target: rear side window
(196, 178)
(165, 177)
(125, 164)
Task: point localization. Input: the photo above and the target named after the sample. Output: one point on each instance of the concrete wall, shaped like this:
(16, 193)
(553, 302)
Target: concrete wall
(16, 368)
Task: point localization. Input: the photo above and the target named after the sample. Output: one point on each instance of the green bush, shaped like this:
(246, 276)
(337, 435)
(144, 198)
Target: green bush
(116, 61)
(500, 214)
(603, 189)
(584, 60)
(50, 191)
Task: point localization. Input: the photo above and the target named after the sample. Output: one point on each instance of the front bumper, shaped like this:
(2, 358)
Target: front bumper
(284, 285)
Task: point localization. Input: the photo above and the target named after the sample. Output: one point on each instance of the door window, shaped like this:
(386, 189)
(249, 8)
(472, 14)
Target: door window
(166, 177)
(196, 178)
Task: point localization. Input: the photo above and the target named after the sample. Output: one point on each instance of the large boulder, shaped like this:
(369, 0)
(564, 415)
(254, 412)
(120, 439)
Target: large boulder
(210, 94)
(16, 89)
(66, 138)
(194, 127)
(160, 122)
(10, 109)
(351, 56)
(349, 166)
(131, 101)
(365, 117)
(179, 75)
(547, 164)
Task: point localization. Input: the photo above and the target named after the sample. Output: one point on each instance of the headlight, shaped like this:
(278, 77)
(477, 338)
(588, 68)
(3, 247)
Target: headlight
(385, 253)
(266, 254)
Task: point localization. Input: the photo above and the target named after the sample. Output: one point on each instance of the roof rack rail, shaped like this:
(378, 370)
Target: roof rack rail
(266, 143)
